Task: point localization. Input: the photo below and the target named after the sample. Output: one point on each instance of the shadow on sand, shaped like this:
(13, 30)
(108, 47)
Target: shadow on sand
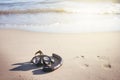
(26, 66)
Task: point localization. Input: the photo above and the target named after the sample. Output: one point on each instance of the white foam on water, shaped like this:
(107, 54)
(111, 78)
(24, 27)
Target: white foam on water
(66, 23)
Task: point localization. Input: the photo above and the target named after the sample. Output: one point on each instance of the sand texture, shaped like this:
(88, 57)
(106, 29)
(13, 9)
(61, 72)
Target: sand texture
(86, 56)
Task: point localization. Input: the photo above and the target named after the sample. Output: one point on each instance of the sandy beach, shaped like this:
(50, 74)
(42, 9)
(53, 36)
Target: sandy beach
(86, 56)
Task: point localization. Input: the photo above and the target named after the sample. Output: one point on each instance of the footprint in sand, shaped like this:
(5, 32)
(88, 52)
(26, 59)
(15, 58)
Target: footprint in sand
(82, 61)
(103, 58)
(86, 65)
(80, 57)
(107, 65)
(105, 62)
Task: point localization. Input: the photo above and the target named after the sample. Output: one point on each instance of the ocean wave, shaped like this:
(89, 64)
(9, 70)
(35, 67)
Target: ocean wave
(60, 10)
(57, 6)
(31, 11)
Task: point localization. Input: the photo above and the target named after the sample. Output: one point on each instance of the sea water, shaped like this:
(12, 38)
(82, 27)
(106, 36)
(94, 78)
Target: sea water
(69, 16)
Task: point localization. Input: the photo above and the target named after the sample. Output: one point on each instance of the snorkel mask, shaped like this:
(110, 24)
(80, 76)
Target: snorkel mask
(48, 63)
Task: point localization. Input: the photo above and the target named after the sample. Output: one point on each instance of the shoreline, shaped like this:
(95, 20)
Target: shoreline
(63, 33)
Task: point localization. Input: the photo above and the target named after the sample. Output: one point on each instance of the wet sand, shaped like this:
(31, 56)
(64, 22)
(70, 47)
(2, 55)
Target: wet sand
(86, 56)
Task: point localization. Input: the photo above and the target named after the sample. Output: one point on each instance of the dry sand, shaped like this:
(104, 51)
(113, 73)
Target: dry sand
(87, 56)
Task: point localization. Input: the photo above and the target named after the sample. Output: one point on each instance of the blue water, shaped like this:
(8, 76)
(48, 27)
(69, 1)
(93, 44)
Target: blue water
(59, 16)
